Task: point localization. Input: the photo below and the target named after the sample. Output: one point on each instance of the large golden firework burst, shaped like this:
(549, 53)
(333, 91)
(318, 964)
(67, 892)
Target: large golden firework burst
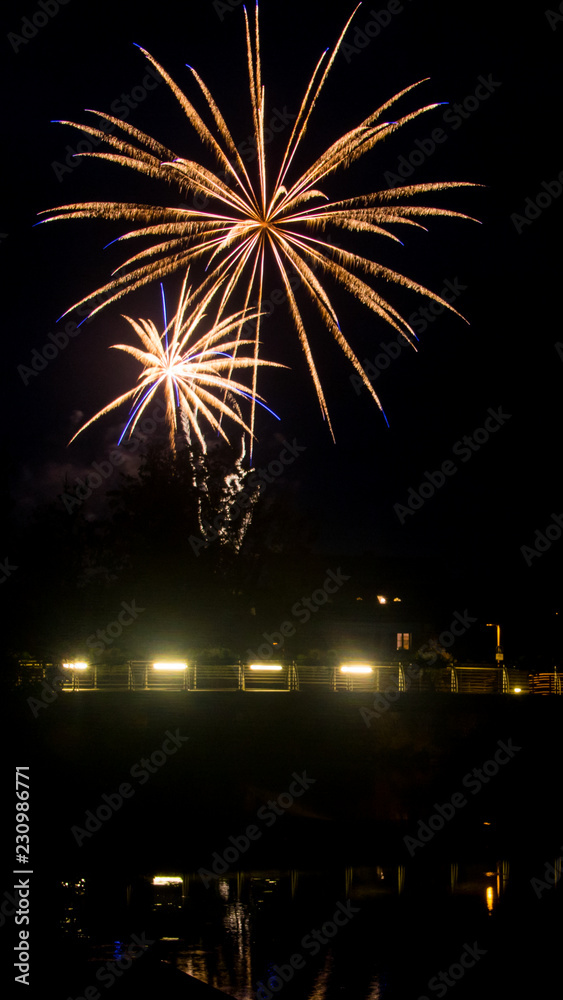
(248, 218)
(191, 374)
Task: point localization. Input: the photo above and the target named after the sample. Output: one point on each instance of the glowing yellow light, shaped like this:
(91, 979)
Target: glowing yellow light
(381, 599)
(356, 668)
(75, 666)
(517, 690)
(265, 666)
(170, 666)
(397, 599)
(490, 898)
(167, 880)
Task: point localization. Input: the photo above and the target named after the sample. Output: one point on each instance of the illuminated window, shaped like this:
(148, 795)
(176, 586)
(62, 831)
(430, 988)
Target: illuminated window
(404, 640)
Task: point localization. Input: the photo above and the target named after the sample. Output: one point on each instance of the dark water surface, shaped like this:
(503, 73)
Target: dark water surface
(329, 901)
(477, 928)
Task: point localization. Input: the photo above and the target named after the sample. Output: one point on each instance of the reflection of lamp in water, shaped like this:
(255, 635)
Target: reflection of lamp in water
(490, 894)
(168, 891)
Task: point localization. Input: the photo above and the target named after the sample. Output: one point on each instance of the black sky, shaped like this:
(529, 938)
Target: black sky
(506, 272)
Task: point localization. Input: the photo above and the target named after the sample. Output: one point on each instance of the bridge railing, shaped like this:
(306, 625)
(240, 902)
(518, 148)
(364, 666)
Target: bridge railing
(548, 683)
(140, 675)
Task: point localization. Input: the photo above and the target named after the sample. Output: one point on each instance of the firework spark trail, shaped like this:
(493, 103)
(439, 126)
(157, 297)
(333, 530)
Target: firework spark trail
(275, 217)
(191, 374)
(217, 516)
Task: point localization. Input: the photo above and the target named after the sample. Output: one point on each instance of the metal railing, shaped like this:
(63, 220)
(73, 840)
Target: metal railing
(139, 675)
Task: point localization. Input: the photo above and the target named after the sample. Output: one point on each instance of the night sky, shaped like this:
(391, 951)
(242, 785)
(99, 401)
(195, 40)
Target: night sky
(499, 70)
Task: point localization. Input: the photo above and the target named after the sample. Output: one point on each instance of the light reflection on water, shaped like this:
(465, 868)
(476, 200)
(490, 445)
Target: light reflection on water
(238, 932)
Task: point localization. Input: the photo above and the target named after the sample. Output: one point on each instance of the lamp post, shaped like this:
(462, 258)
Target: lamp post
(499, 655)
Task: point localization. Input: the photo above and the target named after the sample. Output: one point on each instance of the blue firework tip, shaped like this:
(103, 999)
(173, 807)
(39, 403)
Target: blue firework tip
(222, 354)
(78, 325)
(116, 240)
(263, 405)
(385, 418)
(164, 315)
(136, 410)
